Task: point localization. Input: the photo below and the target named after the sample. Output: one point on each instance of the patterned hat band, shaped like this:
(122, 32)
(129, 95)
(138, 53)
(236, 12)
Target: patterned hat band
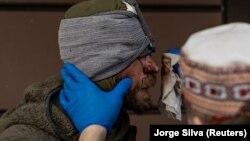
(220, 92)
(213, 89)
(213, 107)
(215, 70)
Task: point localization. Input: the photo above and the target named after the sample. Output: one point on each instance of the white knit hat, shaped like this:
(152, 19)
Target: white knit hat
(216, 67)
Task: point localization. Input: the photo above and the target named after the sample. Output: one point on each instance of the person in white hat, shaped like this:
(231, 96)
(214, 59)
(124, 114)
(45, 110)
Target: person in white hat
(215, 66)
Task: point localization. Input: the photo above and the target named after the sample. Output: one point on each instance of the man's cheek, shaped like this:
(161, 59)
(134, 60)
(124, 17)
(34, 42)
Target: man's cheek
(129, 97)
(142, 94)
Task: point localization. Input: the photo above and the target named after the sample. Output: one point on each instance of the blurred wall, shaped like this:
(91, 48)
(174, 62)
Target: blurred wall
(237, 10)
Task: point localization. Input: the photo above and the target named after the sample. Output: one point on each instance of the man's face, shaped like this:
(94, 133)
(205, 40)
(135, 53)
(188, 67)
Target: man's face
(142, 71)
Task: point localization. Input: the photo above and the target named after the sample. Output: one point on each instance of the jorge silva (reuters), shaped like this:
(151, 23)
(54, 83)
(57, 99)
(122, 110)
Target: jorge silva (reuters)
(201, 133)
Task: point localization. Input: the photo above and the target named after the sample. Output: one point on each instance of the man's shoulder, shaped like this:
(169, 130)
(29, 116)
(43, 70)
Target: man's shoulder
(25, 132)
(48, 83)
(39, 91)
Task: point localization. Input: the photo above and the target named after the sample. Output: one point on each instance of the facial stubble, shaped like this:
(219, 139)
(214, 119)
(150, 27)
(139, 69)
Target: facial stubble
(139, 99)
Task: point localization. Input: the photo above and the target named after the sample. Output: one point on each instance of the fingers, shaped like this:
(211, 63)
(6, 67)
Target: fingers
(74, 78)
(122, 87)
(68, 80)
(75, 73)
(63, 99)
(69, 84)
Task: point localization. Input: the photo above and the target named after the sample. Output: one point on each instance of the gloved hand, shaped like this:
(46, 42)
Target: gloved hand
(176, 66)
(86, 104)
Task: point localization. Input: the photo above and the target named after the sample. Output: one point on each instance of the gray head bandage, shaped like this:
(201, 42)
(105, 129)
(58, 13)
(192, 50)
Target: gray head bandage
(104, 44)
(143, 22)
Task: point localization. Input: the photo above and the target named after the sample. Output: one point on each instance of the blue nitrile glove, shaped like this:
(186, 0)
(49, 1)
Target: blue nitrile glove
(86, 104)
(176, 66)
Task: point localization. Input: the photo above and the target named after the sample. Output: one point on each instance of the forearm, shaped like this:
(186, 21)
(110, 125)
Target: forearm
(93, 133)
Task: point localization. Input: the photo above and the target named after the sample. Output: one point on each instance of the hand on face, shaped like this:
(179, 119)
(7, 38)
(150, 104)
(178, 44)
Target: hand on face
(87, 104)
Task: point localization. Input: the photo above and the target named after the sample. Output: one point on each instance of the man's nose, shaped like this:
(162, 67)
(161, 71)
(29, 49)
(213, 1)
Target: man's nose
(152, 67)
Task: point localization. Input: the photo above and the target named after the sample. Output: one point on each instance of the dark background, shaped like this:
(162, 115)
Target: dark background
(29, 49)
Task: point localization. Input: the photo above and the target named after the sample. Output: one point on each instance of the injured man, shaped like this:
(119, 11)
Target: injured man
(107, 40)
